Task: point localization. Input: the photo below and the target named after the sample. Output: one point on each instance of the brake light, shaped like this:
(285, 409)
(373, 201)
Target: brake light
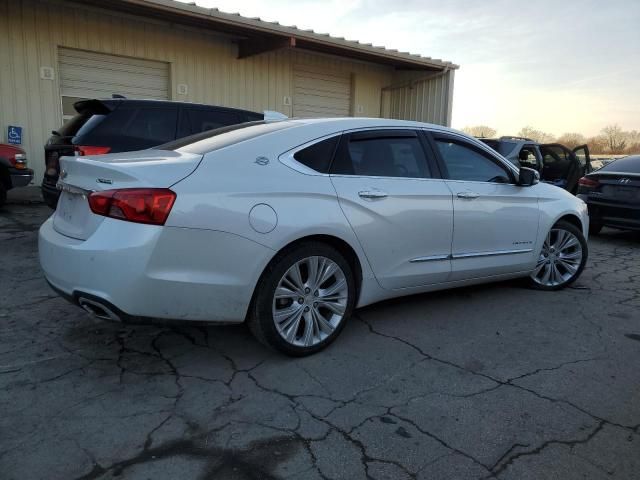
(83, 150)
(139, 205)
(588, 182)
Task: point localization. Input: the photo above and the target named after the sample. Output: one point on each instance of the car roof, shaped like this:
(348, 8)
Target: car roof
(343, 123)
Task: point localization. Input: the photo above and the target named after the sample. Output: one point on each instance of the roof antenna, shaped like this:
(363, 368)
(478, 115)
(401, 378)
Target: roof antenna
(117, 95)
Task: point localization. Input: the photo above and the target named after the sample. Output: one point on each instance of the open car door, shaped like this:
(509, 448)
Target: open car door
(560, 166)
(582, 154)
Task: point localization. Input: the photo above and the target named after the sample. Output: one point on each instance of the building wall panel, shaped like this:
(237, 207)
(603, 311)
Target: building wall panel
(425, 100)
(32, 31)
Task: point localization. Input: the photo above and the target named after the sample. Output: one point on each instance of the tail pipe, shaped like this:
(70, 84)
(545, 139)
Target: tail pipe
(98, 309)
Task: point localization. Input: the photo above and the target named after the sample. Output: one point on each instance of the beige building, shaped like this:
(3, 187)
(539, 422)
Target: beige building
(54, 52)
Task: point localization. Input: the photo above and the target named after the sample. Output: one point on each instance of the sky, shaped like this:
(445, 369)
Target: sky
(556, 65)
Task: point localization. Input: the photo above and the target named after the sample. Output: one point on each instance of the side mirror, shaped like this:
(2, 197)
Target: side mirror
(528, 177)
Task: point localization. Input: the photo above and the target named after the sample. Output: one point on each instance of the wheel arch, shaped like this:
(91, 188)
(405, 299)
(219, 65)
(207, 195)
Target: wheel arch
(338, 243)
(573, 220)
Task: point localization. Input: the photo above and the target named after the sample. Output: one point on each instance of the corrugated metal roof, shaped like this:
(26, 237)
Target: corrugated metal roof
(308, 38)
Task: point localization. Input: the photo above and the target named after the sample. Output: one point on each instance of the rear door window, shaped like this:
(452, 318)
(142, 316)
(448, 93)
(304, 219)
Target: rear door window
(202, 120)
(154, 125)
(382, 153)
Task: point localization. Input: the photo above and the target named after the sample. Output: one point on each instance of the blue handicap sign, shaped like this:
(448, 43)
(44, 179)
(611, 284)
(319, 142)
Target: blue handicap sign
(14, 135)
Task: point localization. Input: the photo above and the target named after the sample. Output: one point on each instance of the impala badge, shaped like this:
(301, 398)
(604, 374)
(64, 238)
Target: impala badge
(624, 181)
(104, 180)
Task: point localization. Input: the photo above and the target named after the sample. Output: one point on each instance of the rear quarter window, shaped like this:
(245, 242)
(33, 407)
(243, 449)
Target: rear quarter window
(318, 156)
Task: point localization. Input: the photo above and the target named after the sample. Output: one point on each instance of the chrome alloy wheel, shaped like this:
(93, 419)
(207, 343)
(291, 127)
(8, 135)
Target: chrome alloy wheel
(559, 259)
(310, 301)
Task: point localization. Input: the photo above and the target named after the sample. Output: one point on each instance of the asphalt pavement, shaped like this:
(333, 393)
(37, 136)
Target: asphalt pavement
(496, 381)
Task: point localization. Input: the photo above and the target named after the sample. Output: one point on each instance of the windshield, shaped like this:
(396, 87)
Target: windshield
(205, 142)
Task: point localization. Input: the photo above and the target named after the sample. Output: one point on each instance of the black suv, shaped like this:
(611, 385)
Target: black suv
(557, 164)
(123, 125)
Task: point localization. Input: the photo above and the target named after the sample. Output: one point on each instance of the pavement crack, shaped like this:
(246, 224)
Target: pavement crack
(507, 459)
(551, 369)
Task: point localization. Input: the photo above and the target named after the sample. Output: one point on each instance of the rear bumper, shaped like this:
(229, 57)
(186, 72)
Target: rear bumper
(618, 215)
(20, 177)
(142, 271)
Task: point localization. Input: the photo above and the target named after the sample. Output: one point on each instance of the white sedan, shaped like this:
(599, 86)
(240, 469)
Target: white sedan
(290, 225)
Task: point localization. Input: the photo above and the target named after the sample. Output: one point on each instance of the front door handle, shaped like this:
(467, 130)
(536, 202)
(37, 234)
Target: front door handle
(372, 194)
(468, 195)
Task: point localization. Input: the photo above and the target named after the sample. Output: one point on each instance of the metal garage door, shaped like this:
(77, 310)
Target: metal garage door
(98, 75)
(320, 93)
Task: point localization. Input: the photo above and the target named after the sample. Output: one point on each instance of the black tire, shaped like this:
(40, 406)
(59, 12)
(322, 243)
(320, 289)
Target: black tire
(3, 194)
(594, 228)
(50, 200)
(260, 319)
(585, 254)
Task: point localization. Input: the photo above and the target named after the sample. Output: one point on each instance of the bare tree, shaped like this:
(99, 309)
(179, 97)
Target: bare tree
(481, 131)
(572, 140)
(597, 145)
(615, 138)
(537, 135)
(633, 142)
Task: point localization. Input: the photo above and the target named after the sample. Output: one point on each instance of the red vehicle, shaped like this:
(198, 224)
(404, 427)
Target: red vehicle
(13, 170)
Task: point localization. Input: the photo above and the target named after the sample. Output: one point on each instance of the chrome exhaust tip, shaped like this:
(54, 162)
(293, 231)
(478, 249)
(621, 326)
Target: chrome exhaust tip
(97, 309)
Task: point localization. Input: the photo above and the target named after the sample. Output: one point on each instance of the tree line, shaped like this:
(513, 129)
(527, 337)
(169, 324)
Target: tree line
(612, 139)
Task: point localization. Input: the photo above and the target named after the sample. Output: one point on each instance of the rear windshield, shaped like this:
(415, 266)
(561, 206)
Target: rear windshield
(71, 126)
(626, 164)
(206, 142)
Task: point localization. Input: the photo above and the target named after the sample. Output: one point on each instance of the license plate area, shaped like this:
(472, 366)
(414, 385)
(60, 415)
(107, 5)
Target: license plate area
(620, 192)
(73, 216)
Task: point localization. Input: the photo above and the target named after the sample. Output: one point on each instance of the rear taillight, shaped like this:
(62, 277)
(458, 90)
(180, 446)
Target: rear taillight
(20, 161)
(83, 150)
(588, 182)
(140, 205)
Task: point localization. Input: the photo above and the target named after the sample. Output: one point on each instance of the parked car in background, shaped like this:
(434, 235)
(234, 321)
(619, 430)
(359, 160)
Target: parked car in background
(292, 224)
(612, 194)
(556, 163)
(122, 125)
(13, 170)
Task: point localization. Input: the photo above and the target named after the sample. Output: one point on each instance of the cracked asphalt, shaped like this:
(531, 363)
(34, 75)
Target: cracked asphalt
(496, 381)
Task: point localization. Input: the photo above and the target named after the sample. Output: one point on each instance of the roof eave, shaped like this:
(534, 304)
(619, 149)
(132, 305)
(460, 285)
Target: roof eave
(305, 39)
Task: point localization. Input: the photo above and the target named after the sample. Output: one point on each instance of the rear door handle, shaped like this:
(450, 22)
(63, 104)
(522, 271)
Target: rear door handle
(372, 194)
(468, 195)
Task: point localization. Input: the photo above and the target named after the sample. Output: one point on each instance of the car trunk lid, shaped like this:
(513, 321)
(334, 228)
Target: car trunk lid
(79, 176)
(617, 186)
